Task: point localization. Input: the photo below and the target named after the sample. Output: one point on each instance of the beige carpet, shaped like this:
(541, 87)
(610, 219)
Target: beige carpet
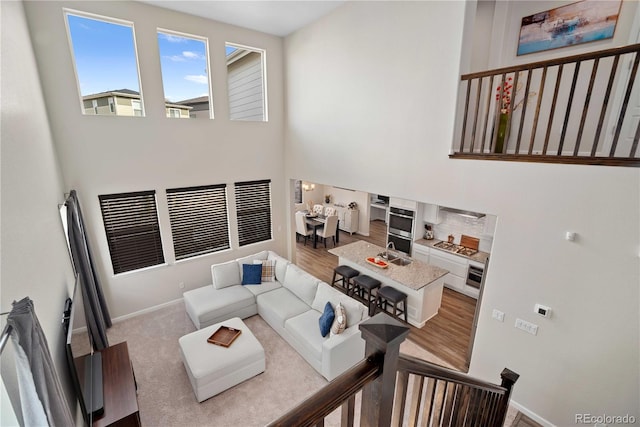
(165, 396)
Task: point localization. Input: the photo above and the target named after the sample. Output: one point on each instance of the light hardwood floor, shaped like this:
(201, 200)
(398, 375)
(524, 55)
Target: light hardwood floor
(447, 335)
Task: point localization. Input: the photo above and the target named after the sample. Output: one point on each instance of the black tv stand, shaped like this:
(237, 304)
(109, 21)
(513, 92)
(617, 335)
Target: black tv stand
(93, 391)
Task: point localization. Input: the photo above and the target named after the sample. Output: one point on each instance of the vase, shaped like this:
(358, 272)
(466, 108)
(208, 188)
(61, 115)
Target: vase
(502, 132)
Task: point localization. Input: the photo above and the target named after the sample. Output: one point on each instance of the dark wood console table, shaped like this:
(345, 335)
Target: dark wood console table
(119, 386)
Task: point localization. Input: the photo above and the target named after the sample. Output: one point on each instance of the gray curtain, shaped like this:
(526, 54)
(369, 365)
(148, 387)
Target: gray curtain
(95, 306)
(41, 394)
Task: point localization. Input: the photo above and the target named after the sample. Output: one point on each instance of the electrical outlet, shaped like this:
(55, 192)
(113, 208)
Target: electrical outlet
(498, 315)
(527, 326)
(181, 285)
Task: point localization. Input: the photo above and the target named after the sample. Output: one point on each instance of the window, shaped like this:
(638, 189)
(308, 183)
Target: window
(174, 112)
(199, 221)
(246, 83)
(133, 231)
(106, 65)
(253, 206)
(136, 106)
(185, 72)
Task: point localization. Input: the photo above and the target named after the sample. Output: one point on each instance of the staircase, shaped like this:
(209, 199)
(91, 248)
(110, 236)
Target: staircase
(398, 390)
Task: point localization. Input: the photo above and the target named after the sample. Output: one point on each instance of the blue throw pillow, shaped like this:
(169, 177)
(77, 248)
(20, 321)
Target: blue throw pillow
(326, 319)
(251, 274)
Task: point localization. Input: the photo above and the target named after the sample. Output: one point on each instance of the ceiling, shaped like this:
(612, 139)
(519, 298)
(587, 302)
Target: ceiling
(279, 18)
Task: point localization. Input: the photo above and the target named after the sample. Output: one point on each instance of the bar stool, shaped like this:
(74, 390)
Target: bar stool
(347, 274)
(387, 294)
(364, 284)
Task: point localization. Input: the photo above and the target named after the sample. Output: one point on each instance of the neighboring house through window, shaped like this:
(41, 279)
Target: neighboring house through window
(104, 56)
(246, 83)
(184, 63)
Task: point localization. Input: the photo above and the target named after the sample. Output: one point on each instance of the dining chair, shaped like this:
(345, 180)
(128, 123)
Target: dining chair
(301, 227)
(329, 230)
(318, 209)
(328, 211)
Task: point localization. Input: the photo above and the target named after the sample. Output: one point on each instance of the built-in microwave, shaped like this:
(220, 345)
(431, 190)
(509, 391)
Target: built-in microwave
(400, 229)
(401, 222)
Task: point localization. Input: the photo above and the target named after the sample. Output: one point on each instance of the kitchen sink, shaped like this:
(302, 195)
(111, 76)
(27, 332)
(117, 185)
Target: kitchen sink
(395, 259)
(386, 255)
(401, 261)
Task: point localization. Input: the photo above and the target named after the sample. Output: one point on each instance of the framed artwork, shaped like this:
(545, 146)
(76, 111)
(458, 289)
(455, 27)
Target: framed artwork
(581, 22)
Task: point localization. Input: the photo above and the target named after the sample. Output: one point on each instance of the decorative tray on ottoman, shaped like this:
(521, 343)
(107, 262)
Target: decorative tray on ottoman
(380, 263)
(224, 336)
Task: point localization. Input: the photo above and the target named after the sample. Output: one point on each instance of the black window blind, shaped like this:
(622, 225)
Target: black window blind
(199, 220)
(133, 231)
(253, 207)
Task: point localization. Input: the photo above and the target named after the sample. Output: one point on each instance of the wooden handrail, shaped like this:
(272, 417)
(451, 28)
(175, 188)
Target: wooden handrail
(572, 134)
(426, 369)
(333, 395)
(556, 61)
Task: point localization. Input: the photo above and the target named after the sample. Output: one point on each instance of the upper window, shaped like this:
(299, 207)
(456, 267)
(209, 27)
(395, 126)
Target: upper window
(185, 74)
(199, 221)
(246, 83)
(253, 206)
(133, 231)
(104, 53)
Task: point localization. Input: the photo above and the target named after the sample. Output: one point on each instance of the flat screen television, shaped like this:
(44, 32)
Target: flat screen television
(85, 365)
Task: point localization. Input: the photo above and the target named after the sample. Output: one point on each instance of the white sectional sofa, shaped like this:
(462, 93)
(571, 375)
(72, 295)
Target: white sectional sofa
(291, 304)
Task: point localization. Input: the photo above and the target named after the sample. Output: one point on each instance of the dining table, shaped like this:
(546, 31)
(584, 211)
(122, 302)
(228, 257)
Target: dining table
(317, 221)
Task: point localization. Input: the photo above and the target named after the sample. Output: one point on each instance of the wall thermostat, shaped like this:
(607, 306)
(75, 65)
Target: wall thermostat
(543, 310)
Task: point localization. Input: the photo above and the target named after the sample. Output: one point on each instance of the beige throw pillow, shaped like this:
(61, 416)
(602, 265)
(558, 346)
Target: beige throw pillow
(340, 321)
(268, 269)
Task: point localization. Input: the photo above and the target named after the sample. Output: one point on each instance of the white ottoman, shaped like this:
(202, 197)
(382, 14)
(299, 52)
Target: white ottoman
(213, 369)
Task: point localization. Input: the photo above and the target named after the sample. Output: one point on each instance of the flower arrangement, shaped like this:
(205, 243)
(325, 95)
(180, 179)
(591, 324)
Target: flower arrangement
(504, 89)
(327, 198)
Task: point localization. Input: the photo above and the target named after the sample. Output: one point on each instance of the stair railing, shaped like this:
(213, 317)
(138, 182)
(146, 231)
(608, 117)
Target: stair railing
(574, 109)
(449, 398)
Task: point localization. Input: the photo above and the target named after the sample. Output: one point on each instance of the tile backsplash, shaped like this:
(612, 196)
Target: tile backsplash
(451, 223)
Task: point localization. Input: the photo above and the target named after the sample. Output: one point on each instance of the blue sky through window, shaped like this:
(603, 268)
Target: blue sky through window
(104, 54)
(184, 67)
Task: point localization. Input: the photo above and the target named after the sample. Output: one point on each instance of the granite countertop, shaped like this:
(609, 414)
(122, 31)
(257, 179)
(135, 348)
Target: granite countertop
(415, 276)
(479, 256)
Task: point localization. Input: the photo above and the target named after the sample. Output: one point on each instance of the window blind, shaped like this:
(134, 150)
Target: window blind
(133, 231)
(253, 207)
(199, 220)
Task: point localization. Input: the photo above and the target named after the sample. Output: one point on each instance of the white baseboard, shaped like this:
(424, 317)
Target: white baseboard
(535, 417)
(145, 311)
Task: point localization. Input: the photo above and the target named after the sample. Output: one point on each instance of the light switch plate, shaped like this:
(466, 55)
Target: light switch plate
(498, 315)
(527, 326)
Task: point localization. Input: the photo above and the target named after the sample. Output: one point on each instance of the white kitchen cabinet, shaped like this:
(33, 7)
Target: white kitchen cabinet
(348, 219)
(431, 213)
(457, 266)
(421, 253)
(403, 204)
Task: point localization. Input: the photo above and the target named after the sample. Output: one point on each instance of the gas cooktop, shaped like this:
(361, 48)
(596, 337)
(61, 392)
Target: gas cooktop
(452, 247)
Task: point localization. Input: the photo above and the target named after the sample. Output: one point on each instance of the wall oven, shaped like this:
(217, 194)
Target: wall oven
(400, 230)
(474, 276)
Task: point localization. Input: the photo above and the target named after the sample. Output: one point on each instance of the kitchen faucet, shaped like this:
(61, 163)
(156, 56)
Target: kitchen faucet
(386, 250)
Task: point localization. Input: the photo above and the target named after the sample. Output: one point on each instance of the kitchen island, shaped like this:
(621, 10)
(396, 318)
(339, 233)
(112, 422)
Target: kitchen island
(420, 281)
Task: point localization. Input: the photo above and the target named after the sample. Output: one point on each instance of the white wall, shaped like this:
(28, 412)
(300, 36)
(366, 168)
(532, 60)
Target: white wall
(34, 259)
(384, 111)
(103, 155)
